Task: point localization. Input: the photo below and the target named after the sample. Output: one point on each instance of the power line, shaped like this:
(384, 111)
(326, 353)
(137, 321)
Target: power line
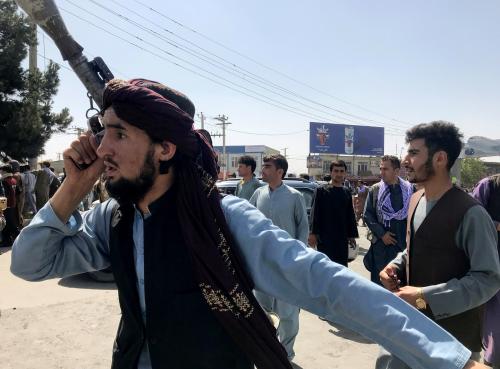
(267, 67)
(86, 52)
(53, 61)
(232, 69)
(259, 97)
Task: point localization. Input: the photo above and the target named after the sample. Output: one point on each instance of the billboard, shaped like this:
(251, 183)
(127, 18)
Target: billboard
(314, 161)
(345, 139)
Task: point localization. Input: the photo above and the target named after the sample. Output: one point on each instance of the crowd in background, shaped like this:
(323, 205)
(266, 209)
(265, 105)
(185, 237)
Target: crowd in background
(23, 191)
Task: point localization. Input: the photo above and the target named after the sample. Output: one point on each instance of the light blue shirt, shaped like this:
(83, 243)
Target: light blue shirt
(288, 270)
(286, 207)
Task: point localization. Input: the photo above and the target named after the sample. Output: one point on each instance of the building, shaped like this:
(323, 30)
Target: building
(233, 154)
(492, 164)
(358, 167)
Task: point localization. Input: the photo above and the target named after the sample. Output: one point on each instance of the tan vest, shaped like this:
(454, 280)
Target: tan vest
(434, 258)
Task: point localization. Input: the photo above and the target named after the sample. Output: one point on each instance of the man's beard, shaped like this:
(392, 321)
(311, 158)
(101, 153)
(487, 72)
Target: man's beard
(133, 190)
(428, 172)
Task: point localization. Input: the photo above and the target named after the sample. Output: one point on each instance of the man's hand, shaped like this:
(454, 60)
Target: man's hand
(78, 182)
(389, 239)
(312, 240)
(410, 294)
(389, 278)
(82, 151)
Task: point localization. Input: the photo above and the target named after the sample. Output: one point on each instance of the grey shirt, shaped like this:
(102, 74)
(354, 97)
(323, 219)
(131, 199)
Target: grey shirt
(477, 237)
(286, 208)
(245, 190)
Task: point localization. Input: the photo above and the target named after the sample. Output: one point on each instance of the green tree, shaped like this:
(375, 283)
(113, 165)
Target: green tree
(26, 99)
(472, 171)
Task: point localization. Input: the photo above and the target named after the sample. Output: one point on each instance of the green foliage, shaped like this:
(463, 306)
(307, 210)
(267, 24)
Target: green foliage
(26, 117)
(472, 171)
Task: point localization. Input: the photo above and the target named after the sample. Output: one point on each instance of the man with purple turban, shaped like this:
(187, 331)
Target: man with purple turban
(185, 260)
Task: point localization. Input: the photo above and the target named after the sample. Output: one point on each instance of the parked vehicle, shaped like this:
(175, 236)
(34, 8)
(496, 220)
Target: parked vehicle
(306, 188)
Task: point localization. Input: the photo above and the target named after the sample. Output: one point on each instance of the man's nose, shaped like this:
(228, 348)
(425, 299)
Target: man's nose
(104, 147)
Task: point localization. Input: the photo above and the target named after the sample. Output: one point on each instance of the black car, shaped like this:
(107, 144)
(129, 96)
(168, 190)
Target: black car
(305, 187)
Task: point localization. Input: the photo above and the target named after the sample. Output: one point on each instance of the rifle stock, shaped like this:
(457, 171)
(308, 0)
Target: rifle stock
(93, 74)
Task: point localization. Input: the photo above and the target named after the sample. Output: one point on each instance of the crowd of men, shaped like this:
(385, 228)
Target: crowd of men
(198, 274)
(24, 192)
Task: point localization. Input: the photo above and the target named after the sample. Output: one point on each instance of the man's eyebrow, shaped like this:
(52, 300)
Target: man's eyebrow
(115, 125)
(413, 151)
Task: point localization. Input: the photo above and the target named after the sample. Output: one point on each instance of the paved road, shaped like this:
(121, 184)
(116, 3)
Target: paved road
(71, 323)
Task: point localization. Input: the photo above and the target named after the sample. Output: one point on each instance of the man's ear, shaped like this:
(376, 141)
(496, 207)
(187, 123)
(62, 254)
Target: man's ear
(167, 150)
(441, 159)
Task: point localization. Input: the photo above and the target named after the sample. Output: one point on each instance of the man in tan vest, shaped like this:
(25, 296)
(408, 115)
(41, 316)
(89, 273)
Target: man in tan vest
(450, 267)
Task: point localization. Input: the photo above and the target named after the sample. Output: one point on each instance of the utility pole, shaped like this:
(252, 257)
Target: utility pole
(284, 150)
(223, 122)
(202, 119)
(32, 52)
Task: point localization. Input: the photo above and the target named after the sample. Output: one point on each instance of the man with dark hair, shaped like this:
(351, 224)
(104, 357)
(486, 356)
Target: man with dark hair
(185, 259)
(277, 161)
(11, 229)
(29, 181)
(248, 184)
(385, 215)
(16, 172)
(487, 192)
(333, 220)
(286, 207)
(42, 184)
(450, 267)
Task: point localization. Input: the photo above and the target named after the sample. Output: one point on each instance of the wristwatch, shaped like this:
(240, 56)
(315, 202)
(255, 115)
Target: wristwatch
(420, 302)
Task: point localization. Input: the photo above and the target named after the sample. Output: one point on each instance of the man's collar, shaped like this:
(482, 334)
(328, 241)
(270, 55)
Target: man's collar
(277, 188)
(162, 203)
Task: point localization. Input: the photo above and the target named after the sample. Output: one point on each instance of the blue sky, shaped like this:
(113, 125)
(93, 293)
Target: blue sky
(396, 63)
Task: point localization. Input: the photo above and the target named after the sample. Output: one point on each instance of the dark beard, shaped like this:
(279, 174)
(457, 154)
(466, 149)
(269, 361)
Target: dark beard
(133, 190)
(428, 172)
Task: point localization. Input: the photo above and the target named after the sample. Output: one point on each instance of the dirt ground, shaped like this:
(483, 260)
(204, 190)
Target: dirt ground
(71, 324)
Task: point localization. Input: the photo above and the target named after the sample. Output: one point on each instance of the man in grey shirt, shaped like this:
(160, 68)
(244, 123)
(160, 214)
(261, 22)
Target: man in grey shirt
(450, 265)
(286, 208)
(248, 184)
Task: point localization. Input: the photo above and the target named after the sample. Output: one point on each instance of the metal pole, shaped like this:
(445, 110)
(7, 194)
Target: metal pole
(223, 122)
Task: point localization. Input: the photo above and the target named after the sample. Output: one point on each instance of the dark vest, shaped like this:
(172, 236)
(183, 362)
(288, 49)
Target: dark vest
(493, 205)
(181, 331)
(434, 258)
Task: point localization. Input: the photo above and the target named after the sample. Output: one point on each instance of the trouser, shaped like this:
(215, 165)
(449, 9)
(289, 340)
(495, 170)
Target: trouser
(19, 207)
(11, 229)
(41, 198)
(29, 203)
(386, 360)
(288, 327)
(381, 255)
